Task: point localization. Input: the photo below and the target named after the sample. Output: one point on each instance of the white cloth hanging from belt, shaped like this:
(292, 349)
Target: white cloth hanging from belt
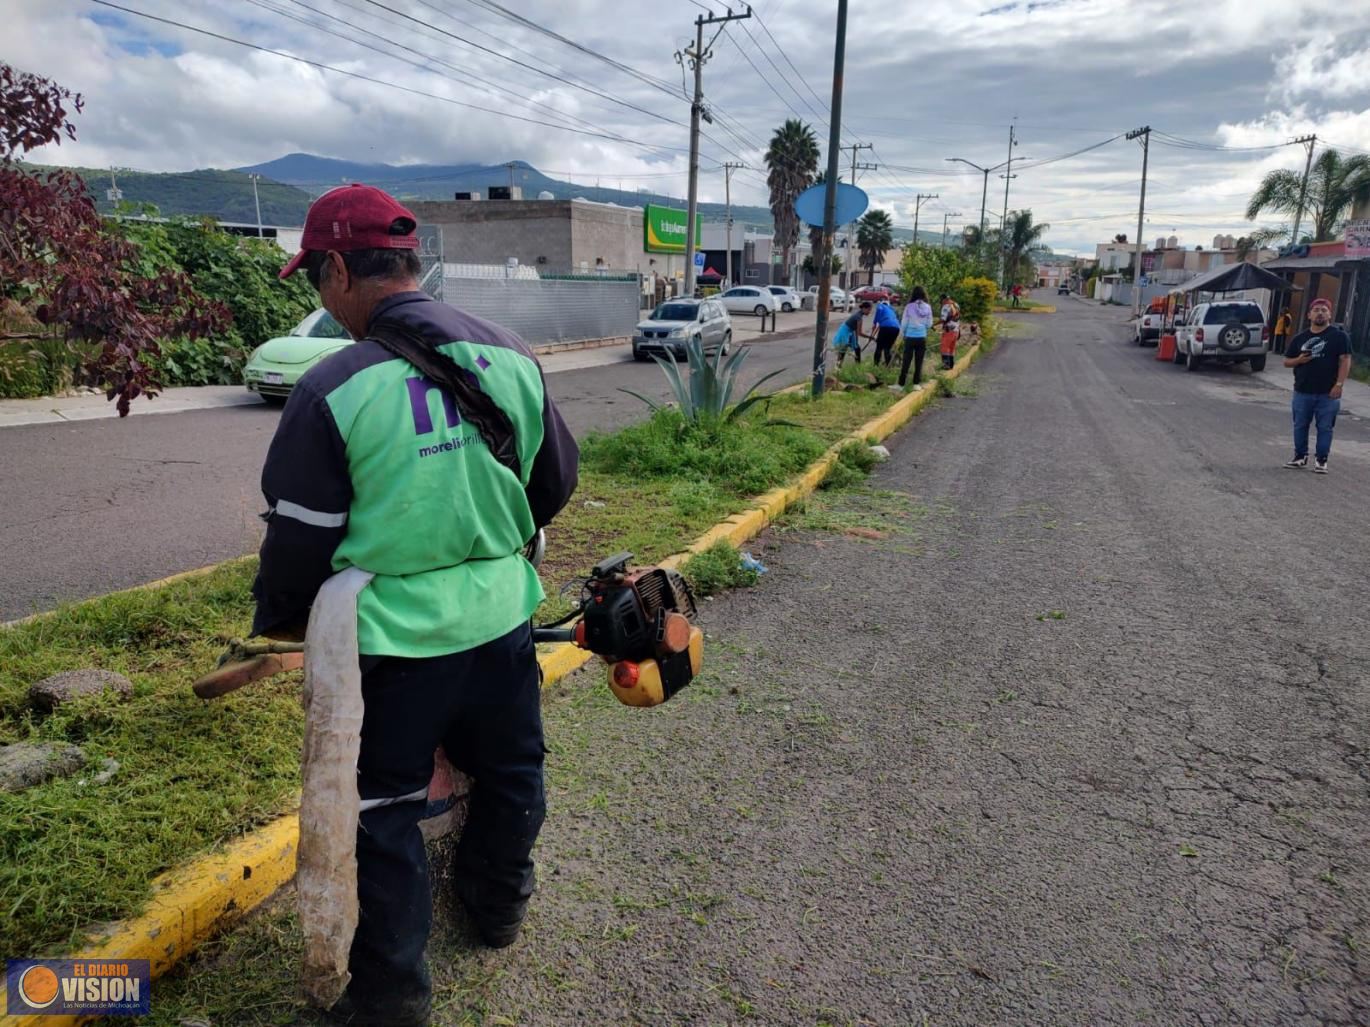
(326, 878)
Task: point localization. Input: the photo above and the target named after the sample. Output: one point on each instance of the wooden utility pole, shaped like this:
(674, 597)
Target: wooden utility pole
(820, 337)
(697, 57)
(1145, 133)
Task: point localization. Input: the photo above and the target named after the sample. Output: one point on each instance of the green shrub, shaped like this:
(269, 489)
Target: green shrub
(21, 375)
(717, 569)
(976, 296)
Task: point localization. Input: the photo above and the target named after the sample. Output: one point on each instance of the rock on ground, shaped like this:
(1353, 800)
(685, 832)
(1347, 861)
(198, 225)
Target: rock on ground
(25, 764)
(74, 684)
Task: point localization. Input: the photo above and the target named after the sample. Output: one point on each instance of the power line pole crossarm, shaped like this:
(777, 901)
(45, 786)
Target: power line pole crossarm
(917, 207)
(851, 231)
(697, 57)
(1145, 134)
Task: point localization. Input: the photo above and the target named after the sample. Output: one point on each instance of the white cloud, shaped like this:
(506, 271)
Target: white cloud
(1334, 69)
(922, 87)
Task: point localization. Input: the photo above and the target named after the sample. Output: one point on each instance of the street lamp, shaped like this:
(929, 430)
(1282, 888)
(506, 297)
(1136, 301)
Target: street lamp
(984, 192)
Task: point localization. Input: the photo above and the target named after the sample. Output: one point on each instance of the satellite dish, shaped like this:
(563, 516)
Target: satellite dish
(851, 204)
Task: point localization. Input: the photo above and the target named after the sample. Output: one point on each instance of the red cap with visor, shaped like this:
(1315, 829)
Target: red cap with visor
(354, 217)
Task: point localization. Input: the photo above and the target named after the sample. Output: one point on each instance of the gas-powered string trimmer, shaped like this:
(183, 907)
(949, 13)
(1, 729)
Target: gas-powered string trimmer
(640, 621)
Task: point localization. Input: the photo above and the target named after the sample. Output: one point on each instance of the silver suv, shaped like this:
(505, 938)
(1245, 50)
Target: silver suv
(675, 322)
(1229, 332)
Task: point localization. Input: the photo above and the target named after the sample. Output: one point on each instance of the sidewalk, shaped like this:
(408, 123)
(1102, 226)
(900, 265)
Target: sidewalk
(55, 410)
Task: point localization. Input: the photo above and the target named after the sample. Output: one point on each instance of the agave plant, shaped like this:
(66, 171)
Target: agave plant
(708, 391)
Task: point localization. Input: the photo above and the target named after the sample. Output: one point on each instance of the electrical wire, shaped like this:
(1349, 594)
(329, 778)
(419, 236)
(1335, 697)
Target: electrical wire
(379, 82)
(491, 86)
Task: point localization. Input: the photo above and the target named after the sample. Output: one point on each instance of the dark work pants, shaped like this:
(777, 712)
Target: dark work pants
(914, 350)
(483, 707)
(885, 339)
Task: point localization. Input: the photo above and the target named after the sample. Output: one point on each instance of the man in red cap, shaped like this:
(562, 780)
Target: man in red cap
(427, 455)
(1321, 359)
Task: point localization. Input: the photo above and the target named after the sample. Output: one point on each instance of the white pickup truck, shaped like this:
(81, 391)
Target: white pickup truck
(1148, 328)
(1226, 332)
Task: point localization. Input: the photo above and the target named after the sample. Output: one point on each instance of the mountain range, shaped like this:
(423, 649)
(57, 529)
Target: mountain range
(288, 184)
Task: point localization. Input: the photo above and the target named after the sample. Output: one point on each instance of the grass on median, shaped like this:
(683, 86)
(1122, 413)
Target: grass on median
(194, 773)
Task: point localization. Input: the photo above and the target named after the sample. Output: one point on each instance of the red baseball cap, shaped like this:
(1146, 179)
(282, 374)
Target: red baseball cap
(354, 217)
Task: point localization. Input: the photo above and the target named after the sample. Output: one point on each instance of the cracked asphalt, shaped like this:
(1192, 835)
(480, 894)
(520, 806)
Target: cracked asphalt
(1082, 740)
(1059, 719)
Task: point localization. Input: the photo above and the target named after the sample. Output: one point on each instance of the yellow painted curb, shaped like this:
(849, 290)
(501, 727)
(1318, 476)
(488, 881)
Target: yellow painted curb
(191, 904)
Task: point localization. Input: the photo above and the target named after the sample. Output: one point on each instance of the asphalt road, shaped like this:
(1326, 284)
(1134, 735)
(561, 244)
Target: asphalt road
(89, 507)
(1083, 739)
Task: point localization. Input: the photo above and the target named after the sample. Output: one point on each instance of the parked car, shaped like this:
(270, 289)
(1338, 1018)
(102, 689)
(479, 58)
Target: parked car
(1063, 289)
(277, 364)
(1228, 332)
(789, 299)
(874, 293)
(750, 299)
(837, 299)
(675, 322)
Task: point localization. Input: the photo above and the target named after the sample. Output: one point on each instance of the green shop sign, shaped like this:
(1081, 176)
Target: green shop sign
(663, 229)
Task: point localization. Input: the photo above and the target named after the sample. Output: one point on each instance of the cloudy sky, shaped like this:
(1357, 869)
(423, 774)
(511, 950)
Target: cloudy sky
(924, 82)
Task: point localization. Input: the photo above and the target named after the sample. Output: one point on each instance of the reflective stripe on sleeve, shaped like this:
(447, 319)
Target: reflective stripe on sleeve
(317, 518)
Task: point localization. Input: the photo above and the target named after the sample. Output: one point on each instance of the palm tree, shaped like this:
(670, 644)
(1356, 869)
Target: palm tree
(1335, 185)
(1021, 237)
(874, 238)
(792, 160)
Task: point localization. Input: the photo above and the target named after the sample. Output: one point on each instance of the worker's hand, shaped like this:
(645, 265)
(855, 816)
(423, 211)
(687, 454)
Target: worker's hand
(1336, 391)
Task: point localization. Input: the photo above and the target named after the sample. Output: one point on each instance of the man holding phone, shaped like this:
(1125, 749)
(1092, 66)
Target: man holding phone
(1321, 359)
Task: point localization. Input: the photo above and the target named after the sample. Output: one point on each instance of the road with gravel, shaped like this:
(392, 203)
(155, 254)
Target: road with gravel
(96, 505)
(1061, 718)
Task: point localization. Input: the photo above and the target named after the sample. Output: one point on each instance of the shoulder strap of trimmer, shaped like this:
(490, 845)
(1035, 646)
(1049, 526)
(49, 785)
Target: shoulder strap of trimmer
(477, 408)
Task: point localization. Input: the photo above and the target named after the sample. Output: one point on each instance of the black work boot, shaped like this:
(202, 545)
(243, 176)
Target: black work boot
(348, 1011)
(497, 928)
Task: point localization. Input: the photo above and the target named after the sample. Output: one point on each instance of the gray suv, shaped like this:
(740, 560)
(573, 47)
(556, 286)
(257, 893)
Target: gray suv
(1228, 332)
(675, 322)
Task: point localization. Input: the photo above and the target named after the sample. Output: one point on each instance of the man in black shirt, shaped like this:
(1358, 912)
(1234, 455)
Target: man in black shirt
(1321, 359)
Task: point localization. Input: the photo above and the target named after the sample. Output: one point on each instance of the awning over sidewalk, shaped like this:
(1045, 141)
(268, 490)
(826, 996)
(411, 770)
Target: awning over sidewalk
(1235, 278)
(1327, 264)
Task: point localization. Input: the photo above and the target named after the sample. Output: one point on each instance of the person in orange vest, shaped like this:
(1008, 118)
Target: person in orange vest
(1284, 324)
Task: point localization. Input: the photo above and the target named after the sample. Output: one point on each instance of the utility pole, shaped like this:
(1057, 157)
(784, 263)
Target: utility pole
(258, 204)
(918, 206)
(851, 229)
(820, 337)
(1003, 223)
(1310, 142)
(697, 57)
(945, 218)
(1145, 133)
(728, 169)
